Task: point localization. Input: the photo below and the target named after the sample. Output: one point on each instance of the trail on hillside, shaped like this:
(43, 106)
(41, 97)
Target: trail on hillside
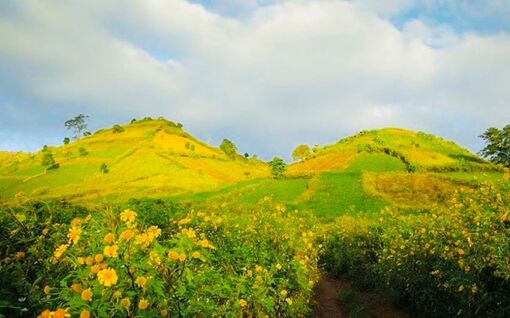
(327, 304)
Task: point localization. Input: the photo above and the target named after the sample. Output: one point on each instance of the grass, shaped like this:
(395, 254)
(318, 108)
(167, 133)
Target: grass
(341, 193)
(163, 162)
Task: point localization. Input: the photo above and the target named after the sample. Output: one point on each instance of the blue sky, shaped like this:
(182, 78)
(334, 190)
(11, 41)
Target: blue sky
(266, 74)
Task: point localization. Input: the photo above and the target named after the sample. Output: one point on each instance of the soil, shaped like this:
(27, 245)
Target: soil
(326, 304)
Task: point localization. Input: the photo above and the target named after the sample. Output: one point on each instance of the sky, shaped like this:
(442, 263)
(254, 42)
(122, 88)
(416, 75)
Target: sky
(266, 74)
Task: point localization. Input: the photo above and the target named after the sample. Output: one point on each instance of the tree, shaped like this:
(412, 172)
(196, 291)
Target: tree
(83, 151)
(104, 168)
(278, 167)
(47, 159)
(228, 148)
(497, 148)
(301, 152)
(117, 129)
(78, 124)
(66, 140)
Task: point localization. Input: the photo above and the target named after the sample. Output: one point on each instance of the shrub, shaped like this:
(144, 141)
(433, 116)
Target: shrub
(104, 168)
(117, 129)
(66, 140)
(83, 151)
(48, 159)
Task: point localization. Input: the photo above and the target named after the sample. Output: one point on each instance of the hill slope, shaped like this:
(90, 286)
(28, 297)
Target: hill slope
(366, 172)
(418, 151)
(153, 158)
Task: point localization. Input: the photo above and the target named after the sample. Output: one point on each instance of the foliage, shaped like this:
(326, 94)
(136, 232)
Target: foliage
(228, 148)
(83, 151)
(278, 167)
(257, 262)
(497, 147)
(47, 159)
(66, 140)
(117, 129)
(301, 152)
(458, 252)
(78, 124)
(104, 168)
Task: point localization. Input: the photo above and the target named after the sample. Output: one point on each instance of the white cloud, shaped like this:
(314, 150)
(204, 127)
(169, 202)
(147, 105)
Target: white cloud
(291, 72)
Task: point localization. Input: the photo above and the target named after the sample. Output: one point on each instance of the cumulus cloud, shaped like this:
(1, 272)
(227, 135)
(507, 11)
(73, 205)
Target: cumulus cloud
(286, 73)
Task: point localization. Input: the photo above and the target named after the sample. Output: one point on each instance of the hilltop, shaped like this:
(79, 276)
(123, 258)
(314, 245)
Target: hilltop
(366, 172)
(418, 151)
(146, 158)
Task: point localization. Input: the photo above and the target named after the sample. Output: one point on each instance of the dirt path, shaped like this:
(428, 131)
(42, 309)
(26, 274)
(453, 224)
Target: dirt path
(328, 305)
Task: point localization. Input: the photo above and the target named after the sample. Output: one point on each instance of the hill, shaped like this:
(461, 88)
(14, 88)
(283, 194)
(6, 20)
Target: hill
(147, 158)
(366, 172)
(418, 151)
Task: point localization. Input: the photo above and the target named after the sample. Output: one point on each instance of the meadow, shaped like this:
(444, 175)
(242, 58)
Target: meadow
(173, 230)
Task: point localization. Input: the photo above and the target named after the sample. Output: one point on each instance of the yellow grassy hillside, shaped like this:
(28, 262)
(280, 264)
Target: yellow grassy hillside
(149, 158)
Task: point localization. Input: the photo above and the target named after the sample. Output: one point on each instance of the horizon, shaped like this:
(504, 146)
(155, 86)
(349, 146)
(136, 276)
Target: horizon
(268, 75)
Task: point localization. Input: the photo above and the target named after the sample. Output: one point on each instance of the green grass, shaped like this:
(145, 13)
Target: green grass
(341, 193)
(284, 191)
(376, 163)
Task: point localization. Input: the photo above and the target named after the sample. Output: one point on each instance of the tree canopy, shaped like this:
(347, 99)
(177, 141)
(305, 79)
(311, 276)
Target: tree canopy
(228, 148)
(78, 124)
(497, 148)
(301, 152)
(278, 167)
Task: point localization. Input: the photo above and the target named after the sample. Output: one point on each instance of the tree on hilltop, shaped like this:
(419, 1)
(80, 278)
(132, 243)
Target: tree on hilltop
(278, 167)
(228, 148)
(497, 148)
(301, 152)
(78, 124)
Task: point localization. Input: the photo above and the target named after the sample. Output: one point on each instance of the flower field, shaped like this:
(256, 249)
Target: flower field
(256, 263)
(155, 258)
(445, 262)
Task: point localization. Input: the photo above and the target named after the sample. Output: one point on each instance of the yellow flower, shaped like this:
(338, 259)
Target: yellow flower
(61, 313)
(164, 313)
(190, 233)
(185, 221)
(86, 294)
(154, 257)
(20, 255)
(196, 254)
(47, 289)
(128, 216)
(60, 251)
(117, 294)
(107, 277)
(143, 239)
(80, 260)
(174, 256)
(289, 301)
(98, 258)
(205, 244)
(85, 313)
(76, 287)
(89, 260)
(95, 269)
(111, 251)
(74, 234)
(109, 238)
(283, 293)
(45, 231)
(154, 231)
(126, 235)
(278, 266)
(125, 302)
(143, 304)
(45, 314)
(141, 281)
(243, 303)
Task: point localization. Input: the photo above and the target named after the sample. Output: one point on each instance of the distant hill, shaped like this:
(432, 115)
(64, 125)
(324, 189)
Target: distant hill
(147, 158)
(418, 151)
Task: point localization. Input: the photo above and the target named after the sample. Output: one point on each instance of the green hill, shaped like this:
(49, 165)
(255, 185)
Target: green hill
(147, 158)
(366, 172)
